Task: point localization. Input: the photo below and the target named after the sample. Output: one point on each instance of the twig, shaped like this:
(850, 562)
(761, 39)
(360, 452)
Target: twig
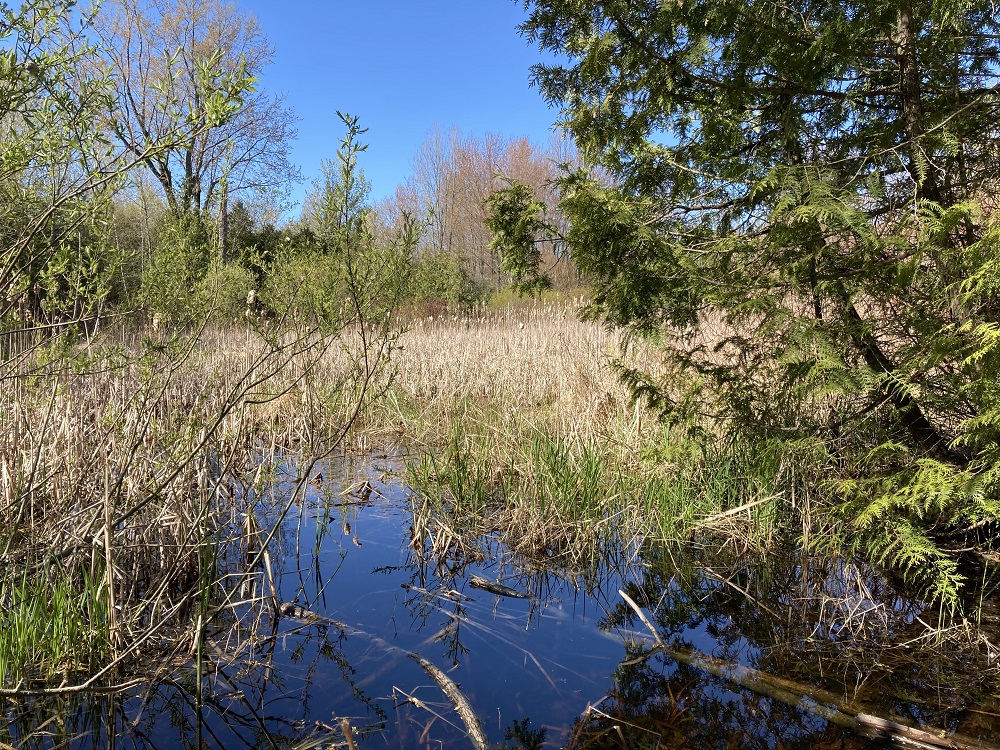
(645, 620)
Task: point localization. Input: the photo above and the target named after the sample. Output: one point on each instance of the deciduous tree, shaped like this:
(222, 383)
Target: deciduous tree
(59, 167)
(168, 58)
(451, 181)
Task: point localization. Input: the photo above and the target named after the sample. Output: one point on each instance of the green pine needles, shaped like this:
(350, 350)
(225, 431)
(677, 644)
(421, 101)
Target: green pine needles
(798, 201)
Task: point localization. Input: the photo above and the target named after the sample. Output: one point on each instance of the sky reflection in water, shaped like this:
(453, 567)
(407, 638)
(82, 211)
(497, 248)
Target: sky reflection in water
(567, 659)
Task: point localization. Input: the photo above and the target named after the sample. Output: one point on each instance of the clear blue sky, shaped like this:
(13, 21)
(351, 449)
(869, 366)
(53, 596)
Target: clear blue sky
(402, 66)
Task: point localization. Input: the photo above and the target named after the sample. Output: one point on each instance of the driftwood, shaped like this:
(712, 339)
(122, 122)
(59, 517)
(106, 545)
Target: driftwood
(816, 701)
(496, 588)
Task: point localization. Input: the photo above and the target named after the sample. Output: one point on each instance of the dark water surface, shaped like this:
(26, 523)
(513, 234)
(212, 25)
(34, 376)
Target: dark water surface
(567, 666)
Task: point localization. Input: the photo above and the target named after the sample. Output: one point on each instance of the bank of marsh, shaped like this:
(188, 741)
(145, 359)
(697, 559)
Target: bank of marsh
(170, 498)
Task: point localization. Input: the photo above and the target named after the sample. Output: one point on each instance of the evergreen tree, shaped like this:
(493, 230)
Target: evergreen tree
(801, 197)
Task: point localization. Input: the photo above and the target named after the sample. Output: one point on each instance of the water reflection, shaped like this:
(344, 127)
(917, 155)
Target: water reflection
(570, 665)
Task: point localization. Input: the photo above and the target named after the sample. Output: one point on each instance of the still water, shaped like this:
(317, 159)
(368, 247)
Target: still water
(564, 663)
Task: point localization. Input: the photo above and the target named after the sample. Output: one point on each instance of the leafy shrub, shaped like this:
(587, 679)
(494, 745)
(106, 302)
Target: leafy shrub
(181, 257)
(442, 276)
(223, 293)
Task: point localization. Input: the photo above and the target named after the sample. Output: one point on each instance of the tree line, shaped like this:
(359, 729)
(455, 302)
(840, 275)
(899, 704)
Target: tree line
(144, 170)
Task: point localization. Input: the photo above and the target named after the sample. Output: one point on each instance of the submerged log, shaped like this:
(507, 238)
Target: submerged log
(813, 700)
(473, 726)
(496, 588)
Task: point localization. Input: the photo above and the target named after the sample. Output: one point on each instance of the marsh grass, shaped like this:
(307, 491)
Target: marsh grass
(133, 470)
(144, 479)
(127, 466)
(51, 622)
(521, 426)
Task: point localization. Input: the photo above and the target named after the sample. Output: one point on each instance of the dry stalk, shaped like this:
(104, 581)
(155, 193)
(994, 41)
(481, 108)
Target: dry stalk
(539, 363)
(121, 464)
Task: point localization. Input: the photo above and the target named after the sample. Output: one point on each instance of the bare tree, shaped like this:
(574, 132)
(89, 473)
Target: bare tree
(168, 57)
(452, 178)
(61, 170)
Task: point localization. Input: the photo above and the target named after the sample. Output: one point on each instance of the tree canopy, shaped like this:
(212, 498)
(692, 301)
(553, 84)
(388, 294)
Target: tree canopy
(799, 198)
(60, 166)
(169, 61)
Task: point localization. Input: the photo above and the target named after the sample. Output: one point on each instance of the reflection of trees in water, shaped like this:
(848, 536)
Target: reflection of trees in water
(827, 622)
(657, 703)
(248, 699)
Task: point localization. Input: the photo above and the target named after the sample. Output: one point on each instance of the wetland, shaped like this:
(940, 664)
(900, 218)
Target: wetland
(485, 543)
(646, 645)
(681, 431)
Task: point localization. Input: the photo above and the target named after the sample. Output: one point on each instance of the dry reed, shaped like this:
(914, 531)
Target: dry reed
(523, 426)
(124, 474)
(539, 363)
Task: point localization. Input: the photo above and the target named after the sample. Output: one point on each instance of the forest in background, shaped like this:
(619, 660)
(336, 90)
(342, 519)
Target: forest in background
(143, 164)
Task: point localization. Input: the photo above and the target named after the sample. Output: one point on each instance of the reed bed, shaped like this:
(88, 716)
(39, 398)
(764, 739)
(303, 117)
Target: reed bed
(132, 472)
(130, 466)
(540, 363)
(523, 433)
(127, 476)
(146, 477)
(521, 425)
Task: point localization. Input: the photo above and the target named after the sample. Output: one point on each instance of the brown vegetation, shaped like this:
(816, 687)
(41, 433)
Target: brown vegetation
(538, 364)
(125, 472)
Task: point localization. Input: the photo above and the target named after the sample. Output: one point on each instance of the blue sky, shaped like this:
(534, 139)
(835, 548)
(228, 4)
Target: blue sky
(402, 66)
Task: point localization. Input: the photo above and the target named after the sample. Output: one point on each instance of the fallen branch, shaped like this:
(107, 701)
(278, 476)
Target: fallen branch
(473, 726)
(732, 512)
(462, 706)
(815, 701)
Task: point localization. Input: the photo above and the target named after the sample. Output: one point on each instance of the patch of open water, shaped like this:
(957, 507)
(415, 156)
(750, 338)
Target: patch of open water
(565, 666)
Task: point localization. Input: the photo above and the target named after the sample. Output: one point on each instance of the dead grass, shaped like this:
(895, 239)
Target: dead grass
(522, 426)
(130, 462)
(125, 468)
(538, 364)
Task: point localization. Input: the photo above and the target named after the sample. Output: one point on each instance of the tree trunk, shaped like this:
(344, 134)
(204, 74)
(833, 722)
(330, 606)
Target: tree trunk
(223, 219)
(911, 416)
(911, 106)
